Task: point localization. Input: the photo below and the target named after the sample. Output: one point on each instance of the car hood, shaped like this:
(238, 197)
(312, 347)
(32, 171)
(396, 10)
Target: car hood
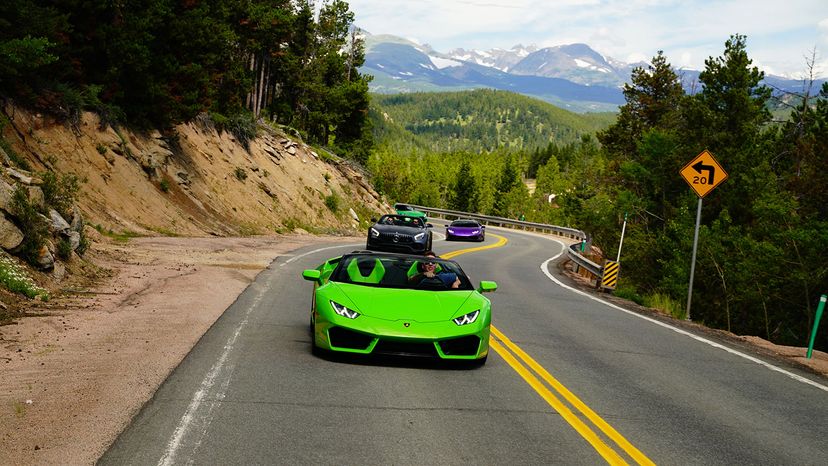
(414, 305)
(398, 229)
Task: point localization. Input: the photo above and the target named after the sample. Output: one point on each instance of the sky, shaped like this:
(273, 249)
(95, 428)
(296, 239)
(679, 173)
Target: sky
(782, 35)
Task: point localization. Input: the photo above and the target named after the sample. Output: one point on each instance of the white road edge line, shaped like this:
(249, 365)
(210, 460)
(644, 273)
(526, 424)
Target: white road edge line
(192, 414)
(545, 269)
(315, 251)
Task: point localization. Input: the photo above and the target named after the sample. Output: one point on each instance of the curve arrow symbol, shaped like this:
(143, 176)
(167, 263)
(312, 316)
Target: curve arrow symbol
(700, 167)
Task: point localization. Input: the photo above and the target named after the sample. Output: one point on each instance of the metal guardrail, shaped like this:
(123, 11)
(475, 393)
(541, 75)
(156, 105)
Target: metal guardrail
(572, 251)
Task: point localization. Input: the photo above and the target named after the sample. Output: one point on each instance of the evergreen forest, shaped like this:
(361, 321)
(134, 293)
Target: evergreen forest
(762, 260)
(156, 63)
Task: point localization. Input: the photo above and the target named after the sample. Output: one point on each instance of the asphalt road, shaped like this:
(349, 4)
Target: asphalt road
(569, 380)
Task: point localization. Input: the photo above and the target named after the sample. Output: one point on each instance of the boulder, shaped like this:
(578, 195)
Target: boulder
(36, 197)
(45, 259)
(6, 192)
(74, 239)
(10, 235)
(56, 222)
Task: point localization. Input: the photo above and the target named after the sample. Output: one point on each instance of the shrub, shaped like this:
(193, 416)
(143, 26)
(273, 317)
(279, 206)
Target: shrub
(34, 227)
(64, 249)
(60, 192)
(241, 175)
(101, 148)
(164, 185)
(83, 246)
(332, 202)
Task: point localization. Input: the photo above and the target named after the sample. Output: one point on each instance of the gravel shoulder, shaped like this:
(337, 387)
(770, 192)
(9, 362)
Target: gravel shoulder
(73, 377)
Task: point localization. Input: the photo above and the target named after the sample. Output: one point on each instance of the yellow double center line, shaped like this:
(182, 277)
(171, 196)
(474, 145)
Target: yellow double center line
(522, 363)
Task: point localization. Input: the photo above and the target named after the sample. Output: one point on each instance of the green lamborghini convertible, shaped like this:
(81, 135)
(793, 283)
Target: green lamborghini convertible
(397, 304)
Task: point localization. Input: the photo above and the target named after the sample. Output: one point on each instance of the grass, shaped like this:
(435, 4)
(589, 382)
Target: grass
(667, 304)
(120, 237)
(14, 278)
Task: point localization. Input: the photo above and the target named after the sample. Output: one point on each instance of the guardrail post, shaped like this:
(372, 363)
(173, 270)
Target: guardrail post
(816, 324)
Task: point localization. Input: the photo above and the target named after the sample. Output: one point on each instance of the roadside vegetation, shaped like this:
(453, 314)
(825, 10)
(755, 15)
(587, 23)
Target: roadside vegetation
(237, 61)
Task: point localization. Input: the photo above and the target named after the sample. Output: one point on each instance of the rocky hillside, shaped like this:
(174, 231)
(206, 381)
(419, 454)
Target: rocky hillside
(196, 180)
(192, 181)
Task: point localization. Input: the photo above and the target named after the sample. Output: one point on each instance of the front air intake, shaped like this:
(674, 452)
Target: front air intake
(344, 338)
(465, 346)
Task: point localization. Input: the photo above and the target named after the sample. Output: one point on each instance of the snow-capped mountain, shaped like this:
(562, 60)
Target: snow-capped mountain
(500, 59)
(571, 76)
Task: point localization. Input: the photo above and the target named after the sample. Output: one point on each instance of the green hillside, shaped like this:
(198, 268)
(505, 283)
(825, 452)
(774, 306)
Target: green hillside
(476, 121)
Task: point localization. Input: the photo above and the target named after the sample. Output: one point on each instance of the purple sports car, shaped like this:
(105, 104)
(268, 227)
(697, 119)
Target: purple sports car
(465, 229)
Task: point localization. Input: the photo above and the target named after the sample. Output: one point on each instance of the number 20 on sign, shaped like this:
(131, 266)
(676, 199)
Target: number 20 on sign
(703, 173)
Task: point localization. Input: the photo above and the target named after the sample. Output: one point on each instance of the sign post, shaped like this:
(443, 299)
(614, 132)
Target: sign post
(703, 174)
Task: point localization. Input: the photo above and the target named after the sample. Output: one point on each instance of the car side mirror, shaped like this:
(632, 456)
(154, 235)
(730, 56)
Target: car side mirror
(482, 227)
(428, 225)
(486, 286)
(373, 220)
(312, 275)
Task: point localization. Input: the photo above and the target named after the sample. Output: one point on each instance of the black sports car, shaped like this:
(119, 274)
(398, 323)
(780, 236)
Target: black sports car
(399, 233)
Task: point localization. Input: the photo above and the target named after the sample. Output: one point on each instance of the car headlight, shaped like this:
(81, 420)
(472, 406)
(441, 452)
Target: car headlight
(344, 311)
(374, 233)
(467, 319)
(419, 236)
(450, 231)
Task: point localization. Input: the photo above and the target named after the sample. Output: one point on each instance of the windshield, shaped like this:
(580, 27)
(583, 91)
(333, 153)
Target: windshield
(465, 223)
(402, 221)
(403, 207)
(400, 272)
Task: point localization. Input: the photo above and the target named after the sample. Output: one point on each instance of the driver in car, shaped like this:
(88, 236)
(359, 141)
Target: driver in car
(427, 269)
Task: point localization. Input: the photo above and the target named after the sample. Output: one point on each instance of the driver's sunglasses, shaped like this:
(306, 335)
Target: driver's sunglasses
(431, 263)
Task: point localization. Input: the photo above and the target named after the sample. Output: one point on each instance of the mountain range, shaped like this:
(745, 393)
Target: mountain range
(574, 76)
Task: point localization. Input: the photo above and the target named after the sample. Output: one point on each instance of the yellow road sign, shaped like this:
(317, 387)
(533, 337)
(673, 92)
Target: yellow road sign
(610, 278)
(703, 173)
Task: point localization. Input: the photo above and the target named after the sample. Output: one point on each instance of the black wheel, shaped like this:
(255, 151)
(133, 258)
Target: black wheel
(428, 245)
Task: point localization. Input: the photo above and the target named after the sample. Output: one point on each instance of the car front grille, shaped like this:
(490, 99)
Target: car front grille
(402, 348)
(396, 238)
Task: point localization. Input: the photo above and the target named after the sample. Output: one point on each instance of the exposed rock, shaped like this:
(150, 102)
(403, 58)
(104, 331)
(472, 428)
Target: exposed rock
(23, 176)
(45, 259)
(36, 196)
(353, 214)
(74, 239)
(10, 235)
(58, 271)
(291, 150)
(6, 192)
(6, 159)
(183, 178)
(56, 222)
